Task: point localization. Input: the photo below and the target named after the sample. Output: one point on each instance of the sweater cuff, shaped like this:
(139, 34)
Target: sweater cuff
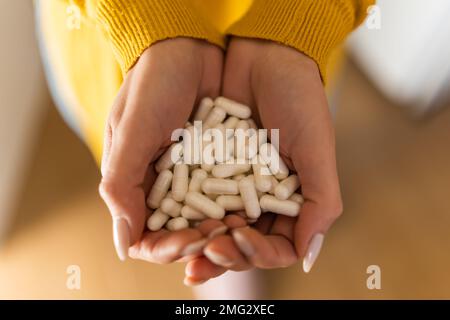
(313, 27)
(133, 25)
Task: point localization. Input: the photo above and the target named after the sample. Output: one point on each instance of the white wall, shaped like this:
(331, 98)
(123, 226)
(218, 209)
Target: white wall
(408, 58)
(23, 99)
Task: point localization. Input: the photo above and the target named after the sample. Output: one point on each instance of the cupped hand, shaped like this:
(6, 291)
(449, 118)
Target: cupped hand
(157, 96)
(285, 91)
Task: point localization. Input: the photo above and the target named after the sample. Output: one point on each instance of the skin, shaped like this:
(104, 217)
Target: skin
(284, 89)
(157, 96)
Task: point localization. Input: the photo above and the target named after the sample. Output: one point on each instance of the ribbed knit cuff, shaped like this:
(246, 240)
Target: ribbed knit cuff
(313, 27)
(134, 25)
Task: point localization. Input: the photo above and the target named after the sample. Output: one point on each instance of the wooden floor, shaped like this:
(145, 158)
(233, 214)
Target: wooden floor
(395, 174)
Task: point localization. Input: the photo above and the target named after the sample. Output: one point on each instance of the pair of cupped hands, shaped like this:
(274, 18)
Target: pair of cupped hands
(284, 89)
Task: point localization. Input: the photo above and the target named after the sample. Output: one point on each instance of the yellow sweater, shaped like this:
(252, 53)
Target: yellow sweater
(90, 44)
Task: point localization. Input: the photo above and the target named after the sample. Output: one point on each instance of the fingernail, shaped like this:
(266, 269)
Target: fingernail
(218, 231)
(194, 248)
(217, 258)
(121, 236)
(191, 283)
(313, 252)
(243, 244)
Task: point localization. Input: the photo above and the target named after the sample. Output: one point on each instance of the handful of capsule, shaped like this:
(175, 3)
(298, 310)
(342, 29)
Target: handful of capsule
(223, 164)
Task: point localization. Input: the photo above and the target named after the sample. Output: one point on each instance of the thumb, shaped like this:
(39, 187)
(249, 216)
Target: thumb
(125, 176)
(314, 159)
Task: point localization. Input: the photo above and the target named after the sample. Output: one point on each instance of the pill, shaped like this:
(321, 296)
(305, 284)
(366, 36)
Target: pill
(239, 177)
(198, 175)
(215, 116)
(287, 187)
(220, 186)
(244, 147)
(157, 220)
(252, 124)
(192, 214)
(159, 189)
(170, 157)
(203, 109)
(230, 203)
(175, 224)
(228, 170)
(227, 132)
(284, 207)
(207, 167)
(242, 125)
(231, 123)
(297, 197)
(263, 178)
(271, 157)
(220, 144)
(274, 182)
(205, 205)
(233, 108)
(180, 182)
(212, 196)
(171, 207)
(250, 197)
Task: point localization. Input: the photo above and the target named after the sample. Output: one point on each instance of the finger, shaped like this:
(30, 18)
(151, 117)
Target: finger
(223, 251)
(233, 221)
(164, 246)
(116, 111)
(313, 157)
(201, 270)
(211, 228)
(237, 77)
(137, 135)
(270, 251)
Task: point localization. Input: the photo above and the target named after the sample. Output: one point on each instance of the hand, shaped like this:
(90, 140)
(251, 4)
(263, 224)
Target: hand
(285, 91)
(157, 96)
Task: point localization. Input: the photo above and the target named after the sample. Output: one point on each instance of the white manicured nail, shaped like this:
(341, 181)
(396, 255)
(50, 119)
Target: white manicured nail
(121, 236)
(313, 252)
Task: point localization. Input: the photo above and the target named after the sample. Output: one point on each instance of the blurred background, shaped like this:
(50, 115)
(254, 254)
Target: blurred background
(393, 135)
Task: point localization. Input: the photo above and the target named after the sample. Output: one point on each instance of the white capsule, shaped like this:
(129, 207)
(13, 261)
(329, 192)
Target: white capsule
(220, 186)
(250, 197)
(205, 205)
(175, 224)
(231, 123)
(243, 125)
(274, 182)
(159, 189)
(244, 147)
(230, 203)
(207, 167)
(157, 220)
(233, 108)
(192, 214)
(198, 175)
(171, 207)
(239, 177)
(271, 157)
(229, 170)
(297, 197)
(287, 187)
(227, 132)
(180, 182)
(284, 207)
(252, 124)
(215, 116)
(212, 196)
(263, 177)
(203, 109)
(170, 157)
